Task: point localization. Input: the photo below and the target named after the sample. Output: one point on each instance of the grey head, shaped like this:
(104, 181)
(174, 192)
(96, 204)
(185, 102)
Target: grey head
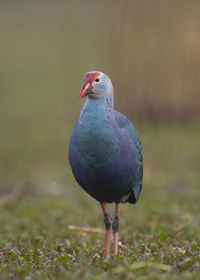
(98, 86)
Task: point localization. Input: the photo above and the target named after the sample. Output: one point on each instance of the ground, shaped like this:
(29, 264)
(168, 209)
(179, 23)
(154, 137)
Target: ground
(159, 236)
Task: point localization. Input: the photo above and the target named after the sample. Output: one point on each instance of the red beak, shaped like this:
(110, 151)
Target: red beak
(88, 78)
(84, 89)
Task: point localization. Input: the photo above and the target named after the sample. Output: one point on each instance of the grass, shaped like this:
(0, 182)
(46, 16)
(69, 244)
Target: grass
(45, 50)
(160, 234)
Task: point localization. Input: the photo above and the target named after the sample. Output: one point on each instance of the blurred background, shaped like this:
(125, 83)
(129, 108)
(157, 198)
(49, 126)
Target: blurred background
(150, 50)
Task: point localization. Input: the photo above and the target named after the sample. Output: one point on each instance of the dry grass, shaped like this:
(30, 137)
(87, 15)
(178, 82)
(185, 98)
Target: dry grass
(155, 50)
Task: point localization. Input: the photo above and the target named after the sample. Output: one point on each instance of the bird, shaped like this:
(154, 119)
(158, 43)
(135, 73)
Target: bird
(105, 153)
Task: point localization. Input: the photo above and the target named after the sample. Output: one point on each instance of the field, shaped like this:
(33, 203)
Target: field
(150, 50)
(159, 236)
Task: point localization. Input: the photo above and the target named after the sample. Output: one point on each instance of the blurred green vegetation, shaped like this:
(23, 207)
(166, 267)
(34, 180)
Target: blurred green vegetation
(150, 49)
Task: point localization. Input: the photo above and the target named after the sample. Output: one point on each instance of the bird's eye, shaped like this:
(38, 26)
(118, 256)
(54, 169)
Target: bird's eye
(97, 80)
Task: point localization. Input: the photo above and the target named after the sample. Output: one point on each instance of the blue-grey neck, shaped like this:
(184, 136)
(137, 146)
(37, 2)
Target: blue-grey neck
(97, 109)
(96, 141)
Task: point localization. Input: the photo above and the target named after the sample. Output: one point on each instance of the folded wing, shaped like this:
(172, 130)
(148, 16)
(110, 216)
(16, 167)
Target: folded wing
(123, 122)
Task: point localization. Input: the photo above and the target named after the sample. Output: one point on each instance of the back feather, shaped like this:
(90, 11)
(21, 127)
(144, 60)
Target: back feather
(124, 122)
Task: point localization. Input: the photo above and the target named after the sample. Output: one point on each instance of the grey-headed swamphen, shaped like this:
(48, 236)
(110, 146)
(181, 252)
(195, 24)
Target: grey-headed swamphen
(105, 152)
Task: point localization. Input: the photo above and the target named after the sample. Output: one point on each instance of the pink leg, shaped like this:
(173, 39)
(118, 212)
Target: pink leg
(115, 227)
(108, 223)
